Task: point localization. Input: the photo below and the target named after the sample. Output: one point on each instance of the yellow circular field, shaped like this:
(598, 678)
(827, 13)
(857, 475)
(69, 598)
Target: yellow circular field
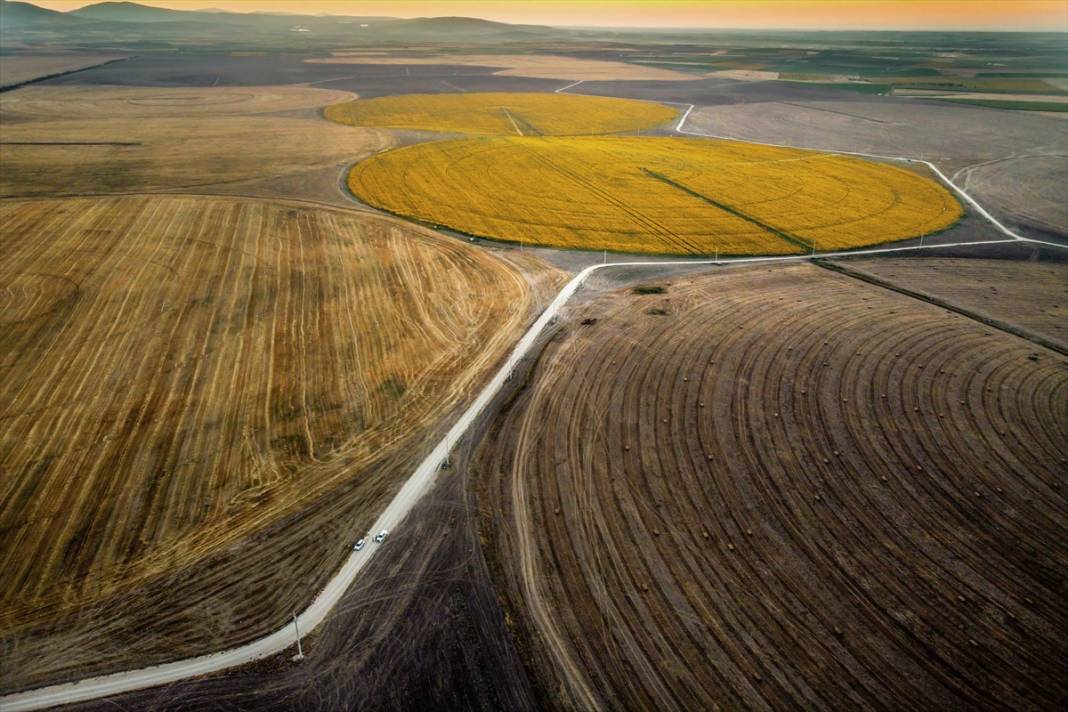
(503, 114)
(657, 195)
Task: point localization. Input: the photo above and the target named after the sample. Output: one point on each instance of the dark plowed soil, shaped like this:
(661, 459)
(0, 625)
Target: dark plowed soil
(786, 488)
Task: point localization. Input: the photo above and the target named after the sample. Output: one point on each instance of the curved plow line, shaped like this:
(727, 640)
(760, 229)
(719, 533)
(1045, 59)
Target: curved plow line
(422, 478)
(414, 488)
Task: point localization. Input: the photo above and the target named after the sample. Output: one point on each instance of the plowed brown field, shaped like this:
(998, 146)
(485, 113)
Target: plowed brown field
(785, 488)
(178, 374)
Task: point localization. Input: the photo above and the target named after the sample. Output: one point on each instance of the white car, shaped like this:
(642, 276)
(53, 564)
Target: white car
(381, 536)
(358, 546)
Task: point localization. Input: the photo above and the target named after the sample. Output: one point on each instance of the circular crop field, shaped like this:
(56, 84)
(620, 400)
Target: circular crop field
(774, 489)
(656, 195)
(503, 114)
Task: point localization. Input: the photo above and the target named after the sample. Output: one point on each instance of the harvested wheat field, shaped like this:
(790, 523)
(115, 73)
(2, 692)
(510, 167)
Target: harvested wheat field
(180, 374)
(503, 114)
(68, 101)
(785, 488)
(63, 140)
(658, 195)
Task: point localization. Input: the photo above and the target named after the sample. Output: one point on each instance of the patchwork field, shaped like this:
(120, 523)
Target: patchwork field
(657, 195)
(187, 387)
(503, 114)
(785, 488)
(63, 140)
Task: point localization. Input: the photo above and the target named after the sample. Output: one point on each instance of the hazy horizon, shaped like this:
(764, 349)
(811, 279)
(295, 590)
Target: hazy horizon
(886, 15)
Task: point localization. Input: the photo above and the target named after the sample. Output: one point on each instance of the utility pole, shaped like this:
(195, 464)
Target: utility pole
(300, 651)
(606, 256)
(717, 255)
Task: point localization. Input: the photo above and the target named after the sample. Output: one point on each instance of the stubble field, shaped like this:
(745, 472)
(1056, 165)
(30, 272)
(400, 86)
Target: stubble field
(655, 195)
(177, 376)
(73, 140)
(782, 488)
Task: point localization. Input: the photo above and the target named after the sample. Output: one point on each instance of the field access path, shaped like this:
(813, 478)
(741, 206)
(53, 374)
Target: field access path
(423, 477)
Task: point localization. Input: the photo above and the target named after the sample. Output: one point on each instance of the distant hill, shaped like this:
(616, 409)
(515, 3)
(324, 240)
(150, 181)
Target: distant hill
(14, 15)
(455, 24)
(130, 12)
(133, 25)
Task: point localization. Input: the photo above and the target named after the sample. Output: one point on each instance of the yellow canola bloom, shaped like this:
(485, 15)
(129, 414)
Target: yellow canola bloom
(503, 114)
(654, 195)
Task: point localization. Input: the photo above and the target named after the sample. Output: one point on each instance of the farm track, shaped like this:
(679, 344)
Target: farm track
(855, 501)
(180, 375)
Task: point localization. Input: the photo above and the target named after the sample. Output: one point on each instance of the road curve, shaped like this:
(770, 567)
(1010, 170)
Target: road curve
(419, 482)
(901, 159)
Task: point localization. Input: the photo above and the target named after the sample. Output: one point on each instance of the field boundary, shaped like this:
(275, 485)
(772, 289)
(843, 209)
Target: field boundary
(877, 281)
(19, 85)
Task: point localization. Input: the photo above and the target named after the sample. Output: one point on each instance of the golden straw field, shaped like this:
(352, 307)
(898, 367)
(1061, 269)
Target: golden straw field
(503, 114)
(177, 373)
(656, 195)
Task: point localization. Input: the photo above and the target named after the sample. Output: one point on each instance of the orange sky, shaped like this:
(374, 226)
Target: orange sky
(807, 14)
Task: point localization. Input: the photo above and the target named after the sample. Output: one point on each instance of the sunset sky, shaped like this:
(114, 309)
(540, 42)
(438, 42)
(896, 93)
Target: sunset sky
(1020, 15)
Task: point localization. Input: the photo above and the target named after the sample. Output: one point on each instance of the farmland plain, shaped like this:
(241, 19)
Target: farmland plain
(781, 488)
(657, 195)
(503, 114)
(76, 139)
(188, 386)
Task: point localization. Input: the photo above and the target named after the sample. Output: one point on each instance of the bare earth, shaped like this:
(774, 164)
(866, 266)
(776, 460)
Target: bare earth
(523, 65)
(785, 488)
(1030, 295)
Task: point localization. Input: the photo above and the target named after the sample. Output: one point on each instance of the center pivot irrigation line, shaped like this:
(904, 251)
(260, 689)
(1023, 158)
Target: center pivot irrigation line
(806, 245)
(510, 118)
(423, 477)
